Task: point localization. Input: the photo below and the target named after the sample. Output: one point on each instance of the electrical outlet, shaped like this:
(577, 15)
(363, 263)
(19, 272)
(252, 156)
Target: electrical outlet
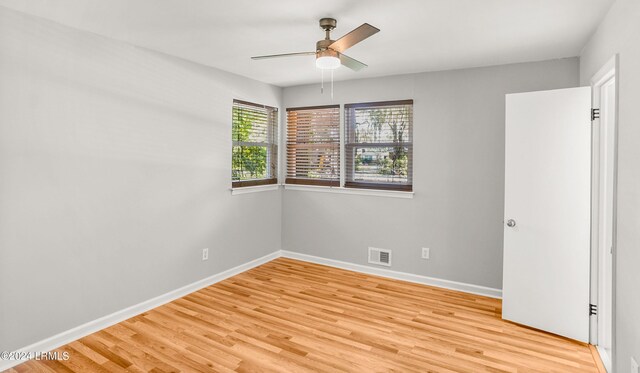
(634, 366)
(205, 254)
(425, 253)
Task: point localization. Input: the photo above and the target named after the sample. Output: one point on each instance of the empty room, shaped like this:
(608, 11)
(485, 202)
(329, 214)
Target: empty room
(320, 186)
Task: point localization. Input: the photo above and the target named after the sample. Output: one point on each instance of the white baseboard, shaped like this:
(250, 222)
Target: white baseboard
(605, 358)
(432, 281)
(83, 330)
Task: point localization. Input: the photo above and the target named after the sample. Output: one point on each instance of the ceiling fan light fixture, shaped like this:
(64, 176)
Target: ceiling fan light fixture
(327, 59)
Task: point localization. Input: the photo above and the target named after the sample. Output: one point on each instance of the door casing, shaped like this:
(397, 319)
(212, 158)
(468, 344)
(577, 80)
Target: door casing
(604, 76)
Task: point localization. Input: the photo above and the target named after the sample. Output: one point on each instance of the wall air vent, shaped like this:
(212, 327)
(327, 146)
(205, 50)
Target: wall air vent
(380, 256)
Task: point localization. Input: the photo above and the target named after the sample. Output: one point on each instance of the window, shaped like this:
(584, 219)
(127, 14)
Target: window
(313, 145)
(255, 144)
(379, 145)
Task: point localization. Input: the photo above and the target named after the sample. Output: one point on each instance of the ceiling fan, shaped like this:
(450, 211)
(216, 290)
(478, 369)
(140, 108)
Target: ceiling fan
(329, 52)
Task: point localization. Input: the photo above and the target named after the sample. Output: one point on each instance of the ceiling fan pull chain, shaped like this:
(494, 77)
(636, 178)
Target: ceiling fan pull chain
(332, 84)
(322, 82)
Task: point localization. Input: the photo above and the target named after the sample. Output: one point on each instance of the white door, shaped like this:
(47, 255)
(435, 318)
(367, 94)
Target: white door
(547, 211)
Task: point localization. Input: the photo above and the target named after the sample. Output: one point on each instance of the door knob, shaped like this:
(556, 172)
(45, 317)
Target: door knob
(511, 223)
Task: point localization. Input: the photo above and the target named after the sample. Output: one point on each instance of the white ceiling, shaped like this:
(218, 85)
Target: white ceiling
(417, 35)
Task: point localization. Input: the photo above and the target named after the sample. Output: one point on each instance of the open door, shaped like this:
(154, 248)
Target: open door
(547, 211)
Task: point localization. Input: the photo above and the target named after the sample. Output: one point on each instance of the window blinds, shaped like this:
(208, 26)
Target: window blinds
(313, 145)
(379, 145)
(255, 144)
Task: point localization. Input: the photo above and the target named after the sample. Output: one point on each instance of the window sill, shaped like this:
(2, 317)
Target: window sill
(356, 191)
(254, 189)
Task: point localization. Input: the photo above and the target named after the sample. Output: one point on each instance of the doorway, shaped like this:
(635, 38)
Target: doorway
(604, 100)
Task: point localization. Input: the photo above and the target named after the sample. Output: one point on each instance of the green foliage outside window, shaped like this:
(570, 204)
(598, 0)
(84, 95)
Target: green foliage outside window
(248, 161)
(383, 126)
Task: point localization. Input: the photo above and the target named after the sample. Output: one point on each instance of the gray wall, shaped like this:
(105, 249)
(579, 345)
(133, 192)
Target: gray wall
(457, 210)
(620, 33)
(115, 169)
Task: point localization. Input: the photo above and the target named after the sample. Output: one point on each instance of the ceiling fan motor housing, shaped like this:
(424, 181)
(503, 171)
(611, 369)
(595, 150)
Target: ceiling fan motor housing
(323, 44)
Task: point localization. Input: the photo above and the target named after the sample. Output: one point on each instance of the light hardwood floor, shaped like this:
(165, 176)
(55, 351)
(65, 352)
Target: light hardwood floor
(293, 316)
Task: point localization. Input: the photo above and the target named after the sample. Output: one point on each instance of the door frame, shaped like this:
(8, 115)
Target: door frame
(608, 71)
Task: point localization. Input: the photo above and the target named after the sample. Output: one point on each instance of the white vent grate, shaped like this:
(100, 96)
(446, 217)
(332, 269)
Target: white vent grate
(380, 256)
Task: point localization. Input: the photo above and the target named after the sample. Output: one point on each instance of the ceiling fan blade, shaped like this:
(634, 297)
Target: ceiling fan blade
(283, 55)
(354, 37)
(349, 62)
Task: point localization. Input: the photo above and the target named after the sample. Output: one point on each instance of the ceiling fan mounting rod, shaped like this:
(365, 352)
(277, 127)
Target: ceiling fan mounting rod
(327, 24)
